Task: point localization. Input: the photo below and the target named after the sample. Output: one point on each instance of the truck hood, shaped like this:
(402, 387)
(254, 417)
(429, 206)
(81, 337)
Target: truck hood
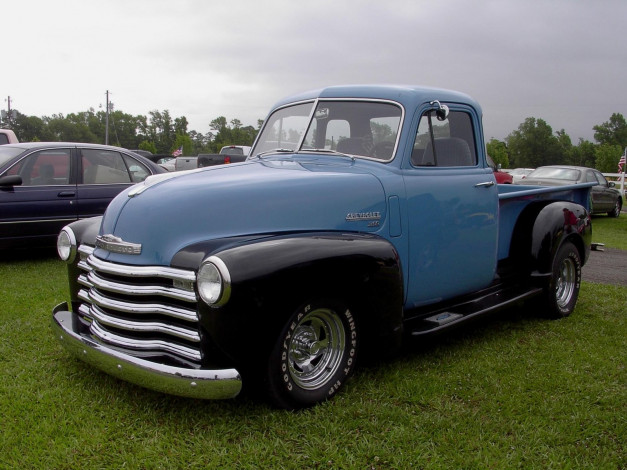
(277, 195)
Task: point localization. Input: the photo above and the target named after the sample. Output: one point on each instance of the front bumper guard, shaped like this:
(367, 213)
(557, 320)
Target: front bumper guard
(191, 383)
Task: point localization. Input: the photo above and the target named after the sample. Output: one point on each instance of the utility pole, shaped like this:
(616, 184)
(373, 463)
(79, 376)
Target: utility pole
(107, 123)
(10, 114)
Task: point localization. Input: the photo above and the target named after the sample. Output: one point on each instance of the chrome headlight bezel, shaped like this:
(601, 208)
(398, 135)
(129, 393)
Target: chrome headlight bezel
(67, 248)
(213, 282)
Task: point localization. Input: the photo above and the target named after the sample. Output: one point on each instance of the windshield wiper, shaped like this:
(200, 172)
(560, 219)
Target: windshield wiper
(332, 152)
(279, 150)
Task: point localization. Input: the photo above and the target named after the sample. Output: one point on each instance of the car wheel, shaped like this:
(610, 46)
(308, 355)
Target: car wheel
(313, 356)
(617, 207)
(562, 289)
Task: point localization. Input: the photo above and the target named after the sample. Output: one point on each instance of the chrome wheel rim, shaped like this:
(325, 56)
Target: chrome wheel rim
(316, 348)
(565, 283)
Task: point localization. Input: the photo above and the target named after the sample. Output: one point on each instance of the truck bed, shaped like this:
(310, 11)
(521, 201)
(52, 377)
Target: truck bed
(513, 199)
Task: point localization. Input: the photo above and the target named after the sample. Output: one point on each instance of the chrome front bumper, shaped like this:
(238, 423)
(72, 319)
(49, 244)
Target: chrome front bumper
(192, 383)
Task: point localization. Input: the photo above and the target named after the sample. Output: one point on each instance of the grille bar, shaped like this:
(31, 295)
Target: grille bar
(93, 296)
(94, 279)
(137, 326)
(144, 344)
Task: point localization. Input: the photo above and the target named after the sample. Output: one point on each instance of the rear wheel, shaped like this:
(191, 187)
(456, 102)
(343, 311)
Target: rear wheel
(563, 288)
(314, 355)
(617, 207)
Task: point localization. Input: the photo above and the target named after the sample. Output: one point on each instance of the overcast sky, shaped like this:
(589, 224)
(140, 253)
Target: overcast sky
(564, 61)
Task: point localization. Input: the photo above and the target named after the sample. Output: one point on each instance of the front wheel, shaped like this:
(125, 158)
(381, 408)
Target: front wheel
(563, 288)
(314, 355)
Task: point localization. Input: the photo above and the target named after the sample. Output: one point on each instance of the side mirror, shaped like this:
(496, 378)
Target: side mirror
(11, 180)
(442, 111)
(611, 184)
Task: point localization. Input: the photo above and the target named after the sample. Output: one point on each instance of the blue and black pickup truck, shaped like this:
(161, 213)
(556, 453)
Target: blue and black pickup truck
(364, 218)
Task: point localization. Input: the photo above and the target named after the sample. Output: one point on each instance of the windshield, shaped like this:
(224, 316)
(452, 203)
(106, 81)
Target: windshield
(568, 174)
(7, 153)
(284, 129)
(359, 128)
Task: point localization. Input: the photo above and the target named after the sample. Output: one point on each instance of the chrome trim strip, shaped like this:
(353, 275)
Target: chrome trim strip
(103, 319)
(143, 345)
(140, 271)
(192, 383)
(97, 298)
(38, 221)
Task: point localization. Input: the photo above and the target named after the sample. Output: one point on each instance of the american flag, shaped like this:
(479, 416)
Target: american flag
(621, 162)
(178, 151)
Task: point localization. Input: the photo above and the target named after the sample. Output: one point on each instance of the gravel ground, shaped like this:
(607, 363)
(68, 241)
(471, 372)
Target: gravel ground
(606, 267)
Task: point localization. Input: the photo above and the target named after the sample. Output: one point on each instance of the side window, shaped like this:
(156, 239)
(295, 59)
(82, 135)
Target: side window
(443, 143)
(138, 170)
(44, 168)
(591, 177)
(103, 167)
(600, 178)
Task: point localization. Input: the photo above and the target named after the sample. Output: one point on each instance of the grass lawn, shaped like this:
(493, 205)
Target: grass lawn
(513, 391)
(612, 232)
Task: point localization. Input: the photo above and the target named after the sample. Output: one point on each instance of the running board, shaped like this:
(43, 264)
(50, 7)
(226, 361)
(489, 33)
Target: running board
(470, 309)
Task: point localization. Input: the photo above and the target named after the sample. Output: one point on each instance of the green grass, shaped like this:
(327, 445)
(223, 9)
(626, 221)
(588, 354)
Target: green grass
(610, 231)
(514, 391)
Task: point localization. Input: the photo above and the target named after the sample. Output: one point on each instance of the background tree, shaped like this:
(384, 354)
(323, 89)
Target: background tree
(62, 129)
(161, 131)
(607, 157)
(149, 146)
(30, 128)
(612, 132)
(224, 133)
(185, 142)
(583, 154)
(534, 145)
(498, 152)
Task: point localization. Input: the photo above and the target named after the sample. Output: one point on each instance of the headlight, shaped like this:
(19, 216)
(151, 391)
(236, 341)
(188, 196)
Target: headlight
(214, 282)
(66, 245)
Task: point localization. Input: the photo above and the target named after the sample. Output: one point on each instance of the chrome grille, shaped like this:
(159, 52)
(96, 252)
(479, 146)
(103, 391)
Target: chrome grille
(145, 310)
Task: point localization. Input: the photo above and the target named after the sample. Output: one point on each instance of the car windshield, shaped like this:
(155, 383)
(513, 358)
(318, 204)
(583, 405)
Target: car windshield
(568, 174)
(7, 153)
(366, 129)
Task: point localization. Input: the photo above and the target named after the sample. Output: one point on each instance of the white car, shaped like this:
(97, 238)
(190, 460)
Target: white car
(519, 174)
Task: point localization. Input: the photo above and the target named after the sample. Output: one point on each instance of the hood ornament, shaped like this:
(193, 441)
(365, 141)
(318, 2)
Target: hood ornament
(117, 245)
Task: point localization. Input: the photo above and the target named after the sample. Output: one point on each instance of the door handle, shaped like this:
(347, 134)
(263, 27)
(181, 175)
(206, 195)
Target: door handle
(487, 184)
(67, 194)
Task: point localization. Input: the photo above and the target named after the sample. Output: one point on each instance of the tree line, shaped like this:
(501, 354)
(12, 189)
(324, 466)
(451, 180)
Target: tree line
(535, 144)
(532, 145)
(158, 132)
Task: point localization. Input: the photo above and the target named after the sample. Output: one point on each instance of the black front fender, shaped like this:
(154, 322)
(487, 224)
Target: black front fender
(272, 276)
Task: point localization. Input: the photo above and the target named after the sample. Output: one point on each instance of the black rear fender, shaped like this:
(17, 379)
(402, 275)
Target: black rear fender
(543, 227)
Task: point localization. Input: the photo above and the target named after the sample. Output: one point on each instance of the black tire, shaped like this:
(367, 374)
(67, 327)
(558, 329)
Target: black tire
(617, 207)
(314, 355)
(563, 288)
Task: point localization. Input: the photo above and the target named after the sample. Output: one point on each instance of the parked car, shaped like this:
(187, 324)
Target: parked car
(167, 163)
(7, 136)
(501, 176)
(519, 174)
(44, 186)
(605, 197)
